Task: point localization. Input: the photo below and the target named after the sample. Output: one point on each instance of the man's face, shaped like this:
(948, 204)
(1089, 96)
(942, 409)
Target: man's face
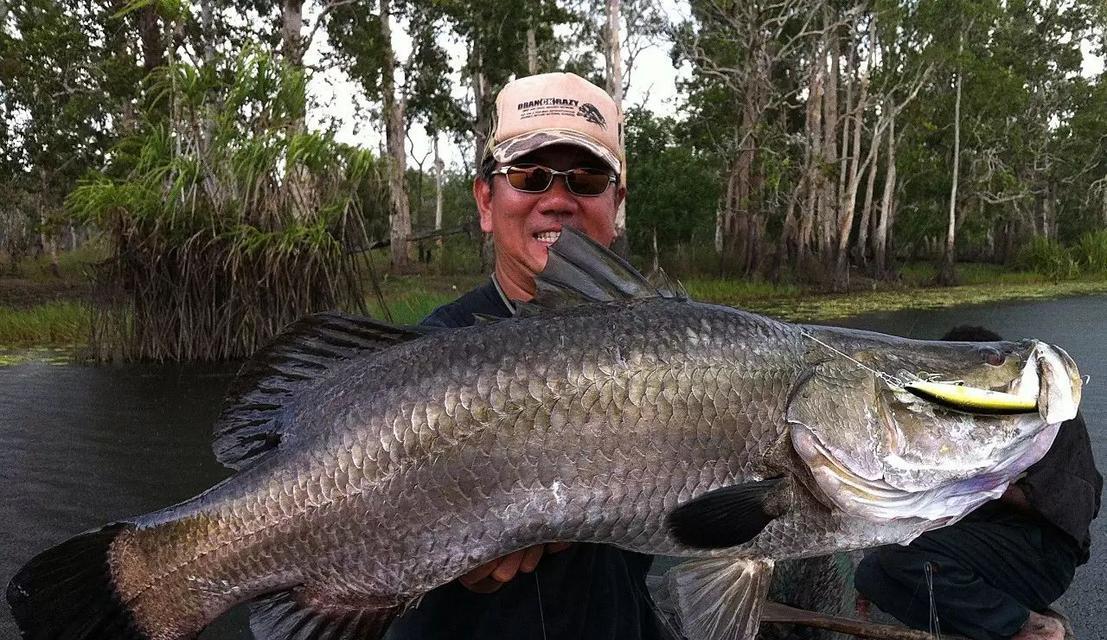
(524, 225)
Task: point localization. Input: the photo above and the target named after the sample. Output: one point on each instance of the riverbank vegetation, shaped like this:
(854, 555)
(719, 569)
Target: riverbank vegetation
(57, 313)
(815, 152)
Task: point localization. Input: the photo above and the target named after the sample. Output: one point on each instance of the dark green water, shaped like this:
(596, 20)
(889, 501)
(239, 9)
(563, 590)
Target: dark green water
(81, 446)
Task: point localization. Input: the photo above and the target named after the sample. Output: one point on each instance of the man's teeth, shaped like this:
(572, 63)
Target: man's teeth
(548, 237)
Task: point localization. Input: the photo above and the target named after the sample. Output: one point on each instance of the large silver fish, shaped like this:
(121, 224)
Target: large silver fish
(375, 463)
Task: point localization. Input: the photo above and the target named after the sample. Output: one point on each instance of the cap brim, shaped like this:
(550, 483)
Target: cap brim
(517, 147)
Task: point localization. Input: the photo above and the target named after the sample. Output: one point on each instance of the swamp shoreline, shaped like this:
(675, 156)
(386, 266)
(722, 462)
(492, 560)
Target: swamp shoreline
(51, 314)
(46, 309)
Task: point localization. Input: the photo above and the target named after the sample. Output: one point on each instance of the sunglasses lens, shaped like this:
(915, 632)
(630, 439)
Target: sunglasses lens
(588, 182)
(531, 179)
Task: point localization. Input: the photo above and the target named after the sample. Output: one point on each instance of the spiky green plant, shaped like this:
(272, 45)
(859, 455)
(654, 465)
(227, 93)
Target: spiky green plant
(1047, 257)
(1091, 251)
(228, 218)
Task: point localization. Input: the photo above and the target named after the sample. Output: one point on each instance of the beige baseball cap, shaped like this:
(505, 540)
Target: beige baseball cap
(555, 108)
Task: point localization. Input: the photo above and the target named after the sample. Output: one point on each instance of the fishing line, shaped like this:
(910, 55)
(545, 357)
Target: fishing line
(541, 615)
(935, 627)
(889, 379)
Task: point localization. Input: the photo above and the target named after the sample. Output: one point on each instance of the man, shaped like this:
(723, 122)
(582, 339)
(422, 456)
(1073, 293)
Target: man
(554, 159)
(990, 575)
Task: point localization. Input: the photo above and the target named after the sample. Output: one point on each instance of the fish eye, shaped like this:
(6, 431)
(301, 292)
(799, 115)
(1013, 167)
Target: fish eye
(993, 356)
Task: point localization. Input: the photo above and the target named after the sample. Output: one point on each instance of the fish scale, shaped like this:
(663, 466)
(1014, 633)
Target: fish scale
(397, 470)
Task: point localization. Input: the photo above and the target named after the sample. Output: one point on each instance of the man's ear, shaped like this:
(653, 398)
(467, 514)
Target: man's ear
(620, 194)
(482, 194)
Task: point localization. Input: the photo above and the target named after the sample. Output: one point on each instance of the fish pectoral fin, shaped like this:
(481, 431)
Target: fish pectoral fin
(313, 614)
(720, 598)
(729, 516)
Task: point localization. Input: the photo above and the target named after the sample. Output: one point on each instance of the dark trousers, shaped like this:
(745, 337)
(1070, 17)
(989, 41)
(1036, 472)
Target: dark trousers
(988, 572)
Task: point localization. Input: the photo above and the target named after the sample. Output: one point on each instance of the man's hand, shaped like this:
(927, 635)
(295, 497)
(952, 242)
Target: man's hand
(1015, 498)
(490, 576)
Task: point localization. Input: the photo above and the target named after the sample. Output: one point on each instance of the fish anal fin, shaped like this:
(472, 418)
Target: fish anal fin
(720, 598)
(252, 422)
(307, 614)
(729, 516)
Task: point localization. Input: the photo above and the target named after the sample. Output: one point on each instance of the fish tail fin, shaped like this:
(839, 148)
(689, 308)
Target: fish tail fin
(68, 592)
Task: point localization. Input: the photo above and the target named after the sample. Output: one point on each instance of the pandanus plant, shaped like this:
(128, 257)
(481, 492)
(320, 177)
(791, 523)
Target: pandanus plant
(228, 218)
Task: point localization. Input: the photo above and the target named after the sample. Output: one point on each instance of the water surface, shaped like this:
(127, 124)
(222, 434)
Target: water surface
(81, 446)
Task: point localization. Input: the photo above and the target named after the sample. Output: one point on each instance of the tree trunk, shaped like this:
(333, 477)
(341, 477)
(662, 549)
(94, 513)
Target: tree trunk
(720, 222)
(299, 189)
(207, 27)
(292, 23)
(813, 181)
(946, 273)
(46, 235)
(1103, 211)
(439, 168)
(847, 198)
(828, 193)
(613, 55)
(532, 52)
(880, 239)
(862, 245)
(150, 34)
(851, 118)
(482, 101)
(400, 218)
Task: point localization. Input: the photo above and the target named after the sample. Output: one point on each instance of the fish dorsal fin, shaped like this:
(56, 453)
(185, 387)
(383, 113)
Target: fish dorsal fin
(252, 421)
(580, 271)
(300, 614)
(720, 598)
(665, 283)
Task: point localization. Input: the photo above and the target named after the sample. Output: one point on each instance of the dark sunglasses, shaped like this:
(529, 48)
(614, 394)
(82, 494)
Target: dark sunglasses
(533, 178)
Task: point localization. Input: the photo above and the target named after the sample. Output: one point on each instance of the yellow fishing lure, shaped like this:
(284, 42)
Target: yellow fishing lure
(970, 399)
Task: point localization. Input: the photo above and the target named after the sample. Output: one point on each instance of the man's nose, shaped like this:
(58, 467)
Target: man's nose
(558, 199)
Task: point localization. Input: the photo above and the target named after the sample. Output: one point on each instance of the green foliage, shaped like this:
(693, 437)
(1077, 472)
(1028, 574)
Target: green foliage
(1047, 257)
(228, 219)
(53, 323)
(458, 255)
(672, 188)
(1091, 252)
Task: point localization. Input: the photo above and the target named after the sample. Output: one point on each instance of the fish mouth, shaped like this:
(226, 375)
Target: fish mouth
(1051, 376)
(1048, 385)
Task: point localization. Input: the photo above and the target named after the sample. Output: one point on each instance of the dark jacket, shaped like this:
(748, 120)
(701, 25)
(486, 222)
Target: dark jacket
(588, 591)
(1064, 486)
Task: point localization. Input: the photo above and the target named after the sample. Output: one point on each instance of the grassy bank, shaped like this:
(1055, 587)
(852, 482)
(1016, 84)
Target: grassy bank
(45, 311)
(55, 323)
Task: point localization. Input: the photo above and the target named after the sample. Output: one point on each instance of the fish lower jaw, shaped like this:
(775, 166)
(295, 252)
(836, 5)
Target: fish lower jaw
(880, 502)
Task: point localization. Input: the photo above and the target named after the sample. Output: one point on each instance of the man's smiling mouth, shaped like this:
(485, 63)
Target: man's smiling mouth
(547, 237)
